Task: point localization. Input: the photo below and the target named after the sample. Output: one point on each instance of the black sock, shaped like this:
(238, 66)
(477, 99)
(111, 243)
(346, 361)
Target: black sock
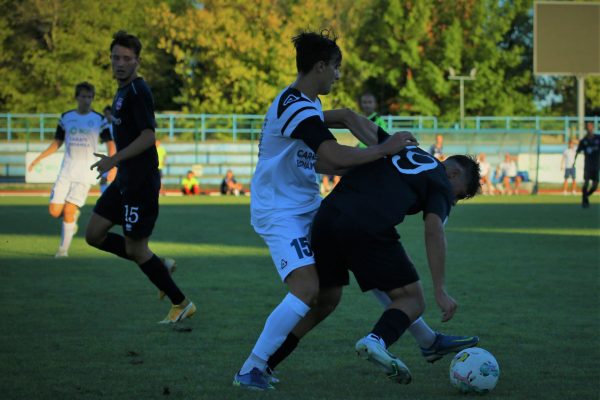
(391, 325)
(584, 189)
(114, 244)
(158, 274)
(286, 348)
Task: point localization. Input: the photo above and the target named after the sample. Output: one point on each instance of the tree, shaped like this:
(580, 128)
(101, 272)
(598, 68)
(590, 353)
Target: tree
(50, 46)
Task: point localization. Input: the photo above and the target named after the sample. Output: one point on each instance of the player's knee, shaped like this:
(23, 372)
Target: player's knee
(55, 212)
(308, 293)
(327, 304)
(93, 238)
(136, 252)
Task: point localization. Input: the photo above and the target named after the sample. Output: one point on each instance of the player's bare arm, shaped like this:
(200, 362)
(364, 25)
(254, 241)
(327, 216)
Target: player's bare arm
(342, 157)
(54, 146)
(435, 246)
(362, 128)
(111, 149)
(138, 146)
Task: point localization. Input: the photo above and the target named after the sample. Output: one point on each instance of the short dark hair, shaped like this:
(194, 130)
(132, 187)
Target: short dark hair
(84, 86)
(368, 94)
(107, 108)
(312, 47)
(128, 40)
(472, 176)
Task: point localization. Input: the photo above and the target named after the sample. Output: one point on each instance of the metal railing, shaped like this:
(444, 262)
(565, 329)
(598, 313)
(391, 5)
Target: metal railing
(240, 127)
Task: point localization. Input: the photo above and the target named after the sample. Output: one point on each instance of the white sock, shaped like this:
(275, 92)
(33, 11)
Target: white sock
(419, 329)
(422, 333)
(68, 230)
(279, 324)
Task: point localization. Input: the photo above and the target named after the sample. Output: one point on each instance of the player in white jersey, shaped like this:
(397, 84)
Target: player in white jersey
(295, 145)
(80, 130)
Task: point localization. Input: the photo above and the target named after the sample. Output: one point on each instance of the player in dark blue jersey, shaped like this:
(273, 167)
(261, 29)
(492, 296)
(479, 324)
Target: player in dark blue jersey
(132, 199)
(354, 230)
(590, 146)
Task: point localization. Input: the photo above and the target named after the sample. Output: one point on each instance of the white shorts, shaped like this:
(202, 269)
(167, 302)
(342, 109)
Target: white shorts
(288, 240)
(66, 191)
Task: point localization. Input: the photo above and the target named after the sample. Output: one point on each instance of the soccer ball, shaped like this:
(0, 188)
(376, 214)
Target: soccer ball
(474, 370)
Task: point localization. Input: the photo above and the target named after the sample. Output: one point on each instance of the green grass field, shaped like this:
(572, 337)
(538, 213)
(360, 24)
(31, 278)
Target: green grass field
(524, 270)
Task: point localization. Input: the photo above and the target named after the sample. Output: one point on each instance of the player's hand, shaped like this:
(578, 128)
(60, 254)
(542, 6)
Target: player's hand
(399, 141)
(33, 164)
(446, 303)
(105, 163)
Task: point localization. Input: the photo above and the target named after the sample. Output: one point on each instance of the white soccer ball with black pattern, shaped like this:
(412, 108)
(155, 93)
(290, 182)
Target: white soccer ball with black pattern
(474, 370)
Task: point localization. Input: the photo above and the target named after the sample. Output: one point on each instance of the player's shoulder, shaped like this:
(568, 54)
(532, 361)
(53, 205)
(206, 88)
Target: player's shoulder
(96, 114)
(292, 99)
(68, 113)
(140, 87)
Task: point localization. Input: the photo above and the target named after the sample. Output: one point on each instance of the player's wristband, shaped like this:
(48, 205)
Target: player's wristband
(381, 135)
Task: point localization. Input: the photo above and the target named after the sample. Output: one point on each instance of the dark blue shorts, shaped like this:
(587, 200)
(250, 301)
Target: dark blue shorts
(570, 173)
(377, 261)
(134, 206)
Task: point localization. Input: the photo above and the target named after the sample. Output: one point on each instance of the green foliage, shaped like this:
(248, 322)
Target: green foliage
(234, 56)
(50, 46)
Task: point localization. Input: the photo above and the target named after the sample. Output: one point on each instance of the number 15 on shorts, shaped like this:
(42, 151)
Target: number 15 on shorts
(302, 247)
(131, 214)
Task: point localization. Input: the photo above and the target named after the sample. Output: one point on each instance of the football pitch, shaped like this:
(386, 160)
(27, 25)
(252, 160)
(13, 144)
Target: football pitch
(525, 271)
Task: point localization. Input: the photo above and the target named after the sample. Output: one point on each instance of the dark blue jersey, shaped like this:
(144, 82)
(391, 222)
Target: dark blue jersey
(380, 194)
(591, 150)
(133, 112)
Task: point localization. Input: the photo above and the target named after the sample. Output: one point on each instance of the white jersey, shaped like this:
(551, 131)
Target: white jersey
(81, 135)
(569, 157)
(285, 182)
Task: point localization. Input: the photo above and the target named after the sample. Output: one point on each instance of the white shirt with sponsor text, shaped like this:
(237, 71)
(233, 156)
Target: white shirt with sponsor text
(285, 182)
(81, 139)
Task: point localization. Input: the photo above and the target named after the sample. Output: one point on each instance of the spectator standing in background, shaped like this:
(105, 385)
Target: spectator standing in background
(437, 149)
(568, 165)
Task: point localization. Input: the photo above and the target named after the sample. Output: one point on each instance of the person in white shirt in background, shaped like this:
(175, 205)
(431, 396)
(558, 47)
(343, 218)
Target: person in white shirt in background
(80, 130)
(567, 165)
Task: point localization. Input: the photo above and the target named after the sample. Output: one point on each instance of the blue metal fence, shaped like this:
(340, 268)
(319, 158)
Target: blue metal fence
(240, 127)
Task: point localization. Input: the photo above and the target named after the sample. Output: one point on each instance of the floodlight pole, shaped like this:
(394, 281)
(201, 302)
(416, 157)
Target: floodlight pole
(462, 79)
(580, 104)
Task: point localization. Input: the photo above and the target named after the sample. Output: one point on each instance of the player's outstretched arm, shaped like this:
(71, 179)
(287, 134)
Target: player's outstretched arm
(435, 246)
(54, 146)
(362, 128)
(146, 139)
(340, 157)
